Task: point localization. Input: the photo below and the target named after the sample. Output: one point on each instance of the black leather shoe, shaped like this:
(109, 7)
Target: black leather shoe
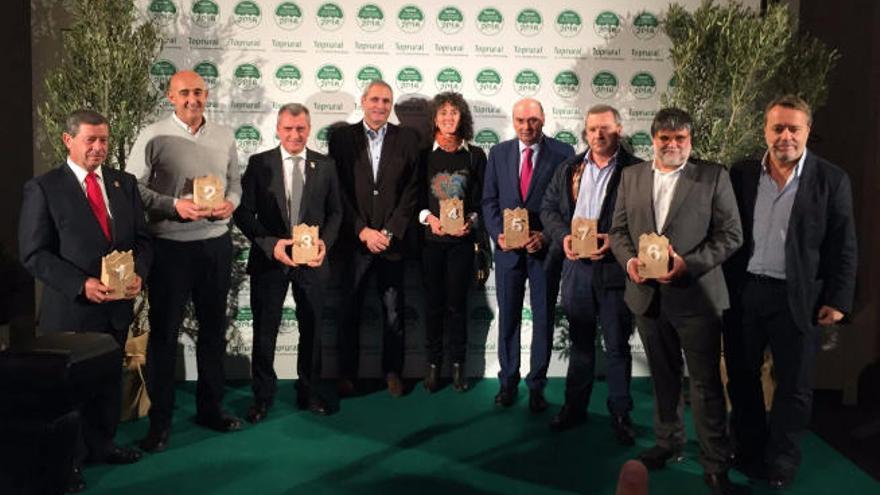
(537, 402)
(718, 483)
(623, 430)
(656, 457)
(345, 387)
(459, 380)
(505, 397)
(319, 407)
(257, 412)
(395, 385)
(567, 418)
(223, 423)
(76, 483)
(156, 440)
(121, 455)
(752, 467)
(432, 378)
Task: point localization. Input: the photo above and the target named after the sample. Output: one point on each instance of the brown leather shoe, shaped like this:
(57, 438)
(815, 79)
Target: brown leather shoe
(432, 378)
(395, 385)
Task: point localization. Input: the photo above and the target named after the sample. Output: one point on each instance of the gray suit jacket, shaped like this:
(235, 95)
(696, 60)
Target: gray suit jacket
(703, 227)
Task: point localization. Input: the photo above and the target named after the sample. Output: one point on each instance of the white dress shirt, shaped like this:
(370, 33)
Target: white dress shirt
(664, 190)
(288, 161)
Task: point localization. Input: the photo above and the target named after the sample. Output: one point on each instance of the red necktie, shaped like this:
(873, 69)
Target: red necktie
(525, 175)
(96, 201)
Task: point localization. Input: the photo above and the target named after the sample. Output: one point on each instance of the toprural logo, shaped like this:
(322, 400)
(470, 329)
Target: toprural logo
(486, 138)
(566, 137)
(205, 13)
(247, 77)
(409, 80)
(329, 16)
(209, 72)
(322, 138)
(605, 84)
(164, 12)
(246, 14)
(448, 79)
(641, 144)
(607, 24)
(490, 21)
(247, 138)
(410, 19)
(645, 25)
(288, 77)
(643, 85)
(527, 82)
(329, 78)
(488, 82)
(529, 22)
(569, 23)
(566, 84)
(370, 18)
(366, 75)
(288, 16)
(450, 20)
(161, 72)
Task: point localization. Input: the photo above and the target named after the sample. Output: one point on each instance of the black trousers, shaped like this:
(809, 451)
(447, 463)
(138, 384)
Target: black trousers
(764, 318)
(447, 269)
(389, 284)
(665, 334)
(268, 290)
(200, 270)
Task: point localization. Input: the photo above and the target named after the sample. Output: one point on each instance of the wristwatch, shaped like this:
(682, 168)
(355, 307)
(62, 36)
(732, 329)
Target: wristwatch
(387, 233)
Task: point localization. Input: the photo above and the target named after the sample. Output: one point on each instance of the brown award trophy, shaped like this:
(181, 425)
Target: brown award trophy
(117, 272)
(516, 227)
(654, 254)
(452, 215)
(305, 243)
(208, 191)
(583, 236)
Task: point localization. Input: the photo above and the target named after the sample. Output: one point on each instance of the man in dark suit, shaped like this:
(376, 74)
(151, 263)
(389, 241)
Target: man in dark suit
(282, 187)
(585, 186)
(517, 174)
(692, 204)
(376, 161)
(71, 217)
(794, 275)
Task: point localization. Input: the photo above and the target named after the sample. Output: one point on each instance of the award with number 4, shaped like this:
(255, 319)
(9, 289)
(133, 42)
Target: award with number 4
(452, 215)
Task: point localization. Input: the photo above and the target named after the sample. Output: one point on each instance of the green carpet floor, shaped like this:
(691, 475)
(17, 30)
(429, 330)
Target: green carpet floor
(446, 443)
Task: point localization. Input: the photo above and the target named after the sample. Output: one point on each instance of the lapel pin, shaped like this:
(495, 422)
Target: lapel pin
(116, 183)
(312, 164)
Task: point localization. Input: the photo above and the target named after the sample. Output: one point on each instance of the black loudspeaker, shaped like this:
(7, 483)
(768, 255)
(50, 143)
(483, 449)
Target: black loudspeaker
(41, 383)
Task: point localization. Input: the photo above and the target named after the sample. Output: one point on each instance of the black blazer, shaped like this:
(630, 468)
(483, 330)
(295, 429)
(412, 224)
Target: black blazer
(389, 202)
(262, 215)
(61, 244)
(820, 245)
(557, 209)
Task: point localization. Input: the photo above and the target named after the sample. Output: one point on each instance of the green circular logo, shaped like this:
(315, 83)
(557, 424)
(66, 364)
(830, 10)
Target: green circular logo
(205, 13)
(450, 20)
(645, 25)
(246, 14)
(288, 77)
(370, 18)
(161, 72)
(322, 138)
(527, 82)
(410, 19)
(366, 75)
(247, 77)
(486, 138)
(490, 21)
(566, 84)
(209, 72)
(529, 22)
(329, 17)
(569, 23)
(329, 78)
(642, 85)
(642, 145)
(409, 80)
(288, 16)
(449, 79)
(163, 12)
(244, 314)
(247, 138)
(288, 315)
(487, 82)
(566, 137)
(607, 24)
(605, 84)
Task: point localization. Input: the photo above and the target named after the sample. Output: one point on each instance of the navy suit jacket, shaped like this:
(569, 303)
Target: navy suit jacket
(501, 190)
(61, 244)
(820, 245)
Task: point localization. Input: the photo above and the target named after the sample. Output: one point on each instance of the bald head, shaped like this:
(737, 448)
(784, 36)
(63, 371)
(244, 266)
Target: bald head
(188, 93)
(528, 120)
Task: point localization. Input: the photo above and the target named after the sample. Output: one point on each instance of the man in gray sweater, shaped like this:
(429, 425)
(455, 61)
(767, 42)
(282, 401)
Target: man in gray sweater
(193, 250)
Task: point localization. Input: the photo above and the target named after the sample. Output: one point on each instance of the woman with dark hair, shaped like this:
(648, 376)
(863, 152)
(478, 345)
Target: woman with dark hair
(452, 168)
